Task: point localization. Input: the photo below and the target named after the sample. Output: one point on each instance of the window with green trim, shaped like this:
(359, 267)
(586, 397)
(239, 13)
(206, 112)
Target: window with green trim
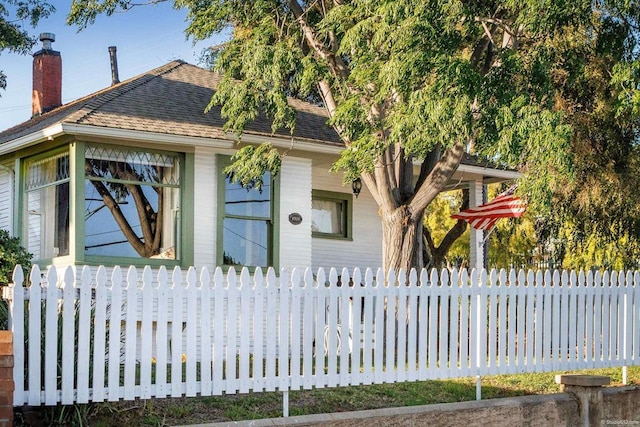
(331, 214)
(47, 205)
(132, 203)
(246, 222)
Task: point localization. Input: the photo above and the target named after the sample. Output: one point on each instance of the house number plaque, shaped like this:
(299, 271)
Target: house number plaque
(295, 218)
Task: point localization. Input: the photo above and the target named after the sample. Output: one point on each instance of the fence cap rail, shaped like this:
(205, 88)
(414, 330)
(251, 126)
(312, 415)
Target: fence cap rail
(583, 380)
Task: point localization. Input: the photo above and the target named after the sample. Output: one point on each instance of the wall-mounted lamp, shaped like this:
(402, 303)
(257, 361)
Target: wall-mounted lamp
(356, 186)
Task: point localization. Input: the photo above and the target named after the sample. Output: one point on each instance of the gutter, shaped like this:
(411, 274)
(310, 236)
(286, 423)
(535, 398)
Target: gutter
(226, 141)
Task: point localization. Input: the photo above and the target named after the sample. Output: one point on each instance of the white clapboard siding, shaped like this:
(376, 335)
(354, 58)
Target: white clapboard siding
(112, 334)
(295, 197)
(6, 199)
(205, 209)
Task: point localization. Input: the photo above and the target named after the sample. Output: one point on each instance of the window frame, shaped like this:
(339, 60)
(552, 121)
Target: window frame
(273, 233)
(23, 200)
(77, 204)
(346, 199)
(183, 243)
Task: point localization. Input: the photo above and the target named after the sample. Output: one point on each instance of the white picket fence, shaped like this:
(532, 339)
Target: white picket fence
(81, 336)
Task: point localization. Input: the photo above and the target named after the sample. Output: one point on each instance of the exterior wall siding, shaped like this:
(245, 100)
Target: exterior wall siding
(365, 250)
(6, 200)
(295, 197)
(205, 208)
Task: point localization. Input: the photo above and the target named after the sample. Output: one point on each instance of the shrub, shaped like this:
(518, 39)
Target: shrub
(11, 253)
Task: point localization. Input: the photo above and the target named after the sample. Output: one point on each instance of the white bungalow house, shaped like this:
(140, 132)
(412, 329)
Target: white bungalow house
(76, 179)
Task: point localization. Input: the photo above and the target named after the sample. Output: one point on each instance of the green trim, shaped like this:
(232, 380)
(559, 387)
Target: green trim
(187, 211)
(124, 181)
(273, 241)
(184, 250)
(21, 210)
(77, 228)
(111, 260)
(77, 202)
(275, 222)
(347, 200)
(19, 200)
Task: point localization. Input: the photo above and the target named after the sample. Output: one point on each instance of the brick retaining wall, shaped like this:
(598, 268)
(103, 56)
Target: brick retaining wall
(6, 378)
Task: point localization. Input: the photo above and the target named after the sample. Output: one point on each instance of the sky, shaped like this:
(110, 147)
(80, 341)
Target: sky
(146, 37)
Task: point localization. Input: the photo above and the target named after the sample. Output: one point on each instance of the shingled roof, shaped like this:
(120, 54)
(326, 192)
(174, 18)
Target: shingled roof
(170, 99)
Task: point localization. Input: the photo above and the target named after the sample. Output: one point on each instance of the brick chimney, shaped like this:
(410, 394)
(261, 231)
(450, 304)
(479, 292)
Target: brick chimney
(47, 77)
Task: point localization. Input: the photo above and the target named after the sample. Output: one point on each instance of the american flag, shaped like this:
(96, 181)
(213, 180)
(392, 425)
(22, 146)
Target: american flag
(484, 217)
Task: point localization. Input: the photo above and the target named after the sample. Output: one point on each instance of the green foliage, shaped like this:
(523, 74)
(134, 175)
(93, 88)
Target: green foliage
(595, 218)
(410, 59)
(11, 254)
(438, 220)
(249, 164)
(13, 35)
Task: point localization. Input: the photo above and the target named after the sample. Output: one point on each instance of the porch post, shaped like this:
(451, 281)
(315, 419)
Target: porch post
(476, 250)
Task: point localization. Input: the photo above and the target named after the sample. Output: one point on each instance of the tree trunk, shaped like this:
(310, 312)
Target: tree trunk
(401, 240)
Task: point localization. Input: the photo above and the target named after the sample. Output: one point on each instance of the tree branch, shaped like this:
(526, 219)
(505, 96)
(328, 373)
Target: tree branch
(335, 63)
(437, 179)
(118, 216)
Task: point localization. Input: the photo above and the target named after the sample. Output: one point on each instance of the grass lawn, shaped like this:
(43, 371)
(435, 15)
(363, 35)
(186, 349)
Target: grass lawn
(173, 411)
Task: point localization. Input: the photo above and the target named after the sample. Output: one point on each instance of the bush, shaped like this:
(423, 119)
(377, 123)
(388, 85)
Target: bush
(11, 253)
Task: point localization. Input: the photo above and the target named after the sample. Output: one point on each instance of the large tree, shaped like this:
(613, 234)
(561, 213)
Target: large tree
(409, 86)
(596, 220)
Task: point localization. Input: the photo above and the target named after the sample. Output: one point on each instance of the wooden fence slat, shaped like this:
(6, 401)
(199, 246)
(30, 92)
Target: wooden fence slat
(16, 323)
(308, 311)
(493, 327)
(176, 293)
(271, 336)
(146, 333)
(320, 313)
(432, 324)
(206, 347)
(357, 328)
(465, 329)
(379, 312)
(345, 324)
(598, 310)
(539, 318)
(334, 340)
(35, 345)
(297, 328)
(161, 333)
(51, 339)
(246, 320)
(233, 317)
(115, 319)
(99, 336)
(84, 333)
(390, 328)
(130, 352)
(191, 332)
(68, 339)
(259, 295)
(218, 332)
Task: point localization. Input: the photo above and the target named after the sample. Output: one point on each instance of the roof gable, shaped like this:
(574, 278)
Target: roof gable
(170, 99)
